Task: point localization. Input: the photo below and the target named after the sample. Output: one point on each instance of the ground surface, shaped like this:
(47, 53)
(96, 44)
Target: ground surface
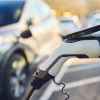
(88, 92)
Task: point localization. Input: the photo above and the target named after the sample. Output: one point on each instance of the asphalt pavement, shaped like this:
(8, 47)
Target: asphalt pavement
(85, 92)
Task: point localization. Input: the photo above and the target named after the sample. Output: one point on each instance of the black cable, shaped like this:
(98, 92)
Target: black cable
(31, 91)
(39, 79)
(82, 32)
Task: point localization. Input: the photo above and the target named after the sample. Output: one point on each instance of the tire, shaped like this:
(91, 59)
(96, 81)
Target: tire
(17, 77)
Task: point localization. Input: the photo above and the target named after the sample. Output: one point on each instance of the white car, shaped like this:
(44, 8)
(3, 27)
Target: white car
(93, 20)
(14, 16)
(69, 25)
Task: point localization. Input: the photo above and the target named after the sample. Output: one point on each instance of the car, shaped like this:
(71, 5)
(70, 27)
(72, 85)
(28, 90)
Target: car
(15, 57)
(69, 24)
(93, 19)
(17, 54)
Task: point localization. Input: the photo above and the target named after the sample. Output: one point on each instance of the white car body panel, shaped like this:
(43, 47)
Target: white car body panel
(44, 29)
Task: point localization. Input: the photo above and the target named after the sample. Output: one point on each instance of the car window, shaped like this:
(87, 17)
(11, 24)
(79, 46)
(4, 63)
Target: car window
(10, 11)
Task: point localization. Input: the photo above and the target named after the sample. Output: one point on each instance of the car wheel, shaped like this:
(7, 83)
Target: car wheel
(17, 77)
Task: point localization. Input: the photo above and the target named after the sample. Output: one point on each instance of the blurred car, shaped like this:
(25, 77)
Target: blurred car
(16, 54)
(69, 25)
(15, 57)
(92, 20)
